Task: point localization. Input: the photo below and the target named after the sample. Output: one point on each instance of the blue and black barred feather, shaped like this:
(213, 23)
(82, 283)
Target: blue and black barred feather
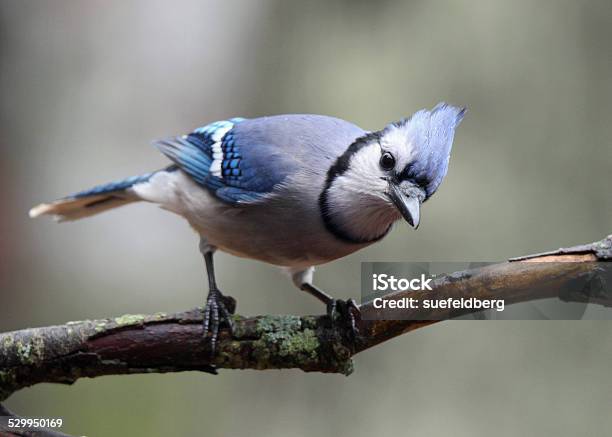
(213, 156)
(230, 165)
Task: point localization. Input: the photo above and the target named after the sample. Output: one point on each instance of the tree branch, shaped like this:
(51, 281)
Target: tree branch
(162, 343)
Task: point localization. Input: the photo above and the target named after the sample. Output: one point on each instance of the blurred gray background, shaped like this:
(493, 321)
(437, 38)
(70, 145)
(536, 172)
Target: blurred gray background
(86, 85)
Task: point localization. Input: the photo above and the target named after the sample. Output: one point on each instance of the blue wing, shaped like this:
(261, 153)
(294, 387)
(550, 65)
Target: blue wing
(225, 162)
(243, 160)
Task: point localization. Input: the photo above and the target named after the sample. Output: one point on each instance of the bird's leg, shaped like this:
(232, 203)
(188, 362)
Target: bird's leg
(347, 310)
(219, 308)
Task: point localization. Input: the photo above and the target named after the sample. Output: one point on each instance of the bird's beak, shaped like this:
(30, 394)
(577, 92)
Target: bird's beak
(408, 205)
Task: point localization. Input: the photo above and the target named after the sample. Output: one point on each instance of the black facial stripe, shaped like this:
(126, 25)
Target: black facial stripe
(408, 174)
(338, 169)
(405, 174)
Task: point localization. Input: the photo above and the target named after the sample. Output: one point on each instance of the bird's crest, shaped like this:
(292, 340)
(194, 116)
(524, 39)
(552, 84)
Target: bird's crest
(429, 138)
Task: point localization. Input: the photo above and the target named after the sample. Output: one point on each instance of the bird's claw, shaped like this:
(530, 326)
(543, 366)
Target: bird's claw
(347, 313)
(218, 310)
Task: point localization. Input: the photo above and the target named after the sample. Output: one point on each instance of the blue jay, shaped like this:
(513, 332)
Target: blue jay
(295, 191)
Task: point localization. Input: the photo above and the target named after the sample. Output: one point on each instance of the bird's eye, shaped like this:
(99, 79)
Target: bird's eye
(387, 161)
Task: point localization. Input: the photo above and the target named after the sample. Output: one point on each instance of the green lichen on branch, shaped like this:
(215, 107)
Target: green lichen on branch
(175, 342)
(291, 341)
(288, 337)
(137, 343)
(280, 342)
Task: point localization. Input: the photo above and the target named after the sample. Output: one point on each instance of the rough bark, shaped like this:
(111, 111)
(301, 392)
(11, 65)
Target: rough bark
(162, 343)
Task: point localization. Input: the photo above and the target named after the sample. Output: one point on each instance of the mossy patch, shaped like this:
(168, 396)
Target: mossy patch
(129, 320)
(302, 342)
(31, 351)
(230, 355)
(239, 330)
(8, 341)
(286, 336)
(271, 324)
(100, 326)
(76, 322)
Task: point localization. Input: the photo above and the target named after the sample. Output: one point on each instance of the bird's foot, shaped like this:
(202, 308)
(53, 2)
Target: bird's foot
(347, 314)
(218, 311)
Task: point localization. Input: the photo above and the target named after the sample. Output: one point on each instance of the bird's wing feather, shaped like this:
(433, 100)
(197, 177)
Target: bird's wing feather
(212, 157)
(243, 161)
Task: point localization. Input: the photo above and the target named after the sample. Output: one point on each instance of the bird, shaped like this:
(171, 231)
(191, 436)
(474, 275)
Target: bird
(295, 191)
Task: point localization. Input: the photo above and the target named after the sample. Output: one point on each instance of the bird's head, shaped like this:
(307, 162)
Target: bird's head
(388, 174)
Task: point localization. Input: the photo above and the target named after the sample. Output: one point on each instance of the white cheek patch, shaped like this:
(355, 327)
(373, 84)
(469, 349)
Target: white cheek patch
(356, 199)
(363, 175)
(365, 165)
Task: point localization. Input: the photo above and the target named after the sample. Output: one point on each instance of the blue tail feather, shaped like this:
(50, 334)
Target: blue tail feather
(94, 200)
(113, 186)
(121, 185)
